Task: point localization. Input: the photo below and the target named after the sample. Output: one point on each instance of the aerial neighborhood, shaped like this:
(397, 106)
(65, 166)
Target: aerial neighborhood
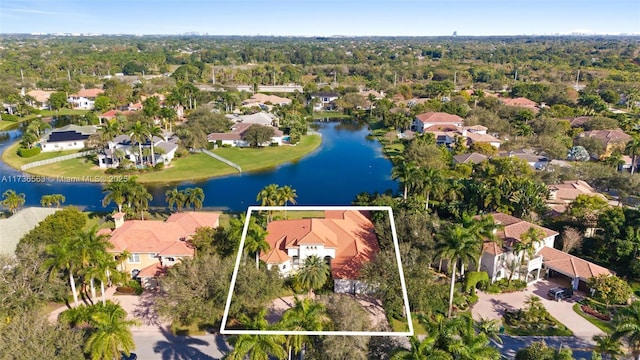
(468, 198)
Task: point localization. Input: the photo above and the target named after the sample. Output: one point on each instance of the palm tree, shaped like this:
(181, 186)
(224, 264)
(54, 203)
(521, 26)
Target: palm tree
(111, 335)
(408, 174)
(91, 246)
(175, 197)
(482, 228)
(457, 244)
(151, 132)
(528, 244)
(421, 350)
(63, 256)
(627, 327)
(608, 346)
(255, 240)
(139, 197)
(472, 346)
(138, 134)
(268, 196)
(287, 194)
(116, 192)
(195, 196)
(104, 268)
(305, 315)
(46, 200)
(633, 149)
(314, 273)
(257, 347)
(430, 182)
(12, 200)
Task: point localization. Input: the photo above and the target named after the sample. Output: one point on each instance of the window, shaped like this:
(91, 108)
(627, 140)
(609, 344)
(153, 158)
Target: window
(134, 258)
(170, 259)
(153, 256)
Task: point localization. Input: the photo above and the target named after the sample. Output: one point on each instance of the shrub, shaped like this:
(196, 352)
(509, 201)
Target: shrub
(158, 166)
(473, 278)
(226, 145)
(24, 152)
(593, 312)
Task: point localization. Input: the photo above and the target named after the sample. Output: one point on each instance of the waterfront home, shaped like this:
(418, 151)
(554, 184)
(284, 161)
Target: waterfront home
(154, 246)
(234, 138)
(447, 127)
(121, 147)
(260, 118)
(324, 101)
(39, 99)
(68, 137)
(84, 99)
(343, 238)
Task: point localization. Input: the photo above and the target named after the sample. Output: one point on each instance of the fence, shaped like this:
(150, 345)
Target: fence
(55, 160)
(220, 158)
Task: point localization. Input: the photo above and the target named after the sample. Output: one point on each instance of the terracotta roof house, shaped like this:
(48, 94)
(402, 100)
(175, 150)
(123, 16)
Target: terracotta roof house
(111, 114)
(18, 225)
(265, 100)
(610, 139)
(473, 158)
(497, 257)
(156, 245)
(425, 120)
(260, 118)
(538, 162)
(561, 195)
(68, 137)
(446, 128)
(579, 121)
(40, 98)
(84, 99)
(344, 238)
(234, 137)
(521, 102)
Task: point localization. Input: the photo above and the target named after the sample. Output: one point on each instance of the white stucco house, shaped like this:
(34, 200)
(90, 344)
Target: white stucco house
(122, 144)
(84, 99)
(343, 238)
(234, 137)
(68, 137)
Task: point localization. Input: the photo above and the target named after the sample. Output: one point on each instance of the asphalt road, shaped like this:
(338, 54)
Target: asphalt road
(511, 344)
(164, 345)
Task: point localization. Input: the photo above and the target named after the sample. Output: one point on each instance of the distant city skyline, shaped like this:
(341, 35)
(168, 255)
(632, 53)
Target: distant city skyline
(326, 18)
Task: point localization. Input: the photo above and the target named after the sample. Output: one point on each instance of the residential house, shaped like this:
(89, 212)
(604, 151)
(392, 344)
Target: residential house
(40, 99)
(538, 162)
(68, 137)
(111, 114)
(234, 137)
(561, 195)
(521, 102)
(501, 260)
(260, 118)
(18, 225)
(265, 101)
(447, 127)
(434, 121)
(610, 139)
(344, 238)
(84, 99)
(325, 101)
(579, 121)
(110, 159)
(155, 245)
(472, 158)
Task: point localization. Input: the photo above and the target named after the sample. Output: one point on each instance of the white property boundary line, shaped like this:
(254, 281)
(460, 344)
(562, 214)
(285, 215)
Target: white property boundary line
(405, 297)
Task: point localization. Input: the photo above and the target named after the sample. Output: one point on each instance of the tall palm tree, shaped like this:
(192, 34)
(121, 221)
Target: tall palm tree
(116, 192)
(175, 197)
(482, 227)
(153, 131)
(63, 256)
(314, 273)
(305, 315)
(195, 196)
(138, 198)
(138, 134)
(12, 200)
(91, 246)
(633, 149)
(104, 269)
(255, 240)
(627, 327)
(430, 182)
(457, 244)
(111, 335)
(268, 196)
(257, 347)
(408, 175)
(608, 346)
(529, 241)
(287, 194)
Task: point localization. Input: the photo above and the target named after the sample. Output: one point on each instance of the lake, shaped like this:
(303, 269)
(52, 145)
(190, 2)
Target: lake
(345, 164)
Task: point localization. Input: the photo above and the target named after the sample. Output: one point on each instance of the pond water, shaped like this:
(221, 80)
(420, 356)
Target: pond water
(346, 163)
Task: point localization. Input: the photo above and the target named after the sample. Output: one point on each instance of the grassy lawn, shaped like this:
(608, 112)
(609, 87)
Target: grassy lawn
(11, 157)
(251, 159)
(7, 125)
(75, 168)
(191, 167)
(401, 326)
(558, 330)
(189, 330)
(605, 326)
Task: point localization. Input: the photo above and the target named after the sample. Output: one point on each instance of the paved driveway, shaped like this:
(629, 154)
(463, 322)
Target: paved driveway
(492, 306)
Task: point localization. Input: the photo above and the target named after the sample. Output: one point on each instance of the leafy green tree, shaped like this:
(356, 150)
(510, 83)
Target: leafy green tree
(609, 347)
(627, 327)
(610, 289)
(421, 350)
(102, 103)
(540, 351)
(63, 223)
(58, 100)
(314, 273)
(578, 153)
(12, 200)
(256, 135)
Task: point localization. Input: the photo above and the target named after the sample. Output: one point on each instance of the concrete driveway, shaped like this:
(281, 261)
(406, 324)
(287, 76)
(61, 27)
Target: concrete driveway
(492, 306)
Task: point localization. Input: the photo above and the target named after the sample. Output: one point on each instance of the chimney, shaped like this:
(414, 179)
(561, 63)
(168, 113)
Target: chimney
(118, 219)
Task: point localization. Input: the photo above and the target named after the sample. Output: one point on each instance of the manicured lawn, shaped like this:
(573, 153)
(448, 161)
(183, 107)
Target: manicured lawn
(191, 167)
(558, 330)
(263, 158)
(11, 157)
(73, 170)
(402, 326)
(6, 125)
(188, 330)
(605, 326)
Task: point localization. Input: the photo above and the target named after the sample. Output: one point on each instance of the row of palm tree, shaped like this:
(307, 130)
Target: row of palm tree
(129, 192)
(184, 198)
(53, 199)
(274, 195)
(12, 200)
(140, 133)
(84, 256)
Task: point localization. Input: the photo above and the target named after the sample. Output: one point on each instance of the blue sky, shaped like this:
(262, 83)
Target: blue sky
(324, 18)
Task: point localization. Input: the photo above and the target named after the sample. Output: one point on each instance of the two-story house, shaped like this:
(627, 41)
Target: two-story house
(109, 158)
(343, 238)
(84, 99)
(324, 101)
(153, 246)
(447, 127)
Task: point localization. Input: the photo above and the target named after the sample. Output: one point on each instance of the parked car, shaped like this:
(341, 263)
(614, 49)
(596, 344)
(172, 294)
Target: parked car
(132, 356)
(559, 293)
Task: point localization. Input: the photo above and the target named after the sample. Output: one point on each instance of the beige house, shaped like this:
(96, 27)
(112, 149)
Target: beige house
(156, 245)
(610, 139)
(447, 127)
(561, 195)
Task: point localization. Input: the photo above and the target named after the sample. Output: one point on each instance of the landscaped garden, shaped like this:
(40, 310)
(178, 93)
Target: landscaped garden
(533, 320)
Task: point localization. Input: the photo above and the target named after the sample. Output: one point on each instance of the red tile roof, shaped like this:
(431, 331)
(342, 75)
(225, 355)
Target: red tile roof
(519, 101)
(439, 117)
(570, 265)
(608, 137)
(513, 228)
(349, 232)
(154, 270)
(88, 93)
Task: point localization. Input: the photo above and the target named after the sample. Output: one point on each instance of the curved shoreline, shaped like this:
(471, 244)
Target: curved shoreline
(95, 175)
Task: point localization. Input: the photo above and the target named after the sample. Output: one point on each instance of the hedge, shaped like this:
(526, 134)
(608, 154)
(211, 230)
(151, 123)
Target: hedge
(25, 153)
